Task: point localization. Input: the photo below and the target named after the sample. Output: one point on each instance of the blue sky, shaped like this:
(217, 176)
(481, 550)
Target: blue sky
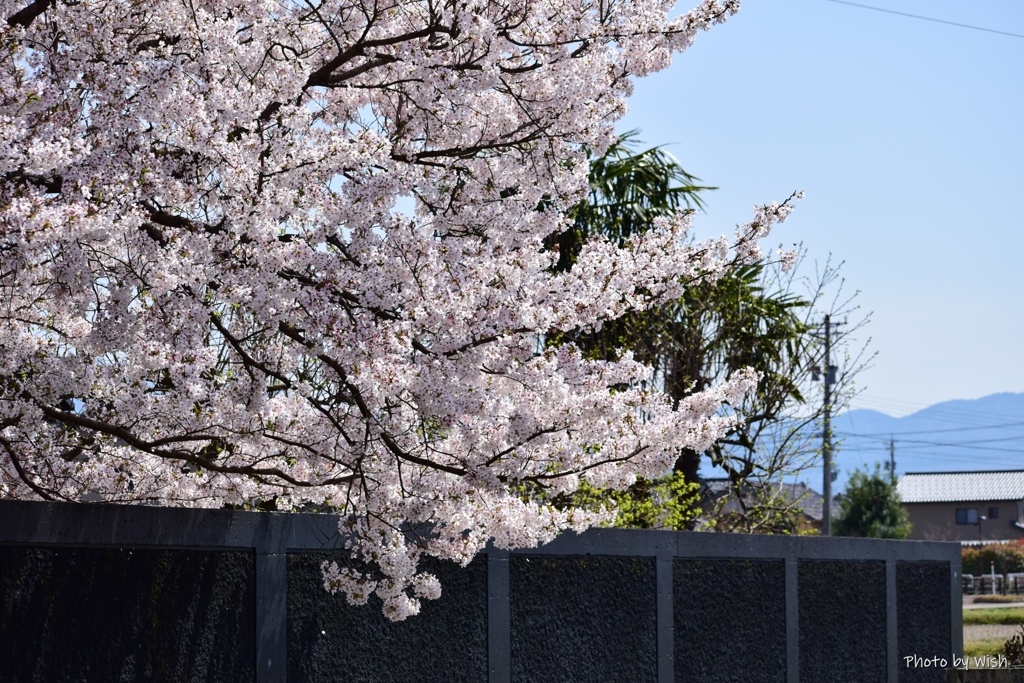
(906, 136)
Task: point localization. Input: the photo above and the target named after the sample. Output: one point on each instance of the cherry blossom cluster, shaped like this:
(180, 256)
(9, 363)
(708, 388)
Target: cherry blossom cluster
(295, 253)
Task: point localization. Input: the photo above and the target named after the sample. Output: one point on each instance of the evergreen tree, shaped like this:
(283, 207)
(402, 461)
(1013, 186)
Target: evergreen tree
(871, 508)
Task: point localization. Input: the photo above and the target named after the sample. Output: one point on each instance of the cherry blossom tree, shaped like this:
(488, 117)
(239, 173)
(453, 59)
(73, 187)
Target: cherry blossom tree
(296, 252)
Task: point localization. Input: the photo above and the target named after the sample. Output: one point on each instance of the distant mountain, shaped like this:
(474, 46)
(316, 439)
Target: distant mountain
(981, 434)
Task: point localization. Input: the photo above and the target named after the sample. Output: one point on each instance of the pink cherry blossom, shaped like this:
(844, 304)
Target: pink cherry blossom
(295, 252)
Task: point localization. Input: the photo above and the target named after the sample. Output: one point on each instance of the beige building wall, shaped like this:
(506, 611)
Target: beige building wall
(937, 521)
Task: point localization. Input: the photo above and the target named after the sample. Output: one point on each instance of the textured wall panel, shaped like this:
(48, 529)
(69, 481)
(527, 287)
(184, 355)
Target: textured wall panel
(81, 600)
(730, 620)
(330, 640)
(583, 619)
(97, 614)
(842, 610)
(922, 618)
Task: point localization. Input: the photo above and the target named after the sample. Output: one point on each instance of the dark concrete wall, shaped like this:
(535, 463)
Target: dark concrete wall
(730, 621)
(82, 614)
(922, 628)
(330, 640)
(842, 610)
(583, 619)
(108, 593)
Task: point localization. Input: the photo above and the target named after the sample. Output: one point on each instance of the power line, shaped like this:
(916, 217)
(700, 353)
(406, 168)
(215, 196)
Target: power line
(954, 444)
(937, 21)
(927, 448)
(917, 460)
(963, 445)
(934, 431)
(991, 462)
(924, 445)
(976, 441)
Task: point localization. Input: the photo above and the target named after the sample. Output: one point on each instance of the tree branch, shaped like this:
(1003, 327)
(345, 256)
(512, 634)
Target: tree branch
(26, 16)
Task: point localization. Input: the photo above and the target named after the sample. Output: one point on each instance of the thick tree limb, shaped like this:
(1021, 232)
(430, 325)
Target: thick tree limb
(26, 16)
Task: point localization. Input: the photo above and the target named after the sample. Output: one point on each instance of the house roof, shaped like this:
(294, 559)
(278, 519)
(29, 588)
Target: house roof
(956, 487)
(807, 499)
(799, 495)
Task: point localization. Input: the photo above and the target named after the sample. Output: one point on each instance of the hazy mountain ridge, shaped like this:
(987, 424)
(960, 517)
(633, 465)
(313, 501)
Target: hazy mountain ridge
(959, 435)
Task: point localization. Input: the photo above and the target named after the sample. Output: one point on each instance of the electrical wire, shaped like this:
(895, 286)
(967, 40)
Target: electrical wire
(968, 446)
(950, 444)
(923, 18)
(895, 433)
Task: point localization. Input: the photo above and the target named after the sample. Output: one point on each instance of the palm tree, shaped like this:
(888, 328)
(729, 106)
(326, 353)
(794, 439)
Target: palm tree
(751, 317)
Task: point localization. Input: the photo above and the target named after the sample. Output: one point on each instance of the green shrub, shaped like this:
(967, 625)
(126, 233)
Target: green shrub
(1008, 557)
(1014, 648)
(998, 599)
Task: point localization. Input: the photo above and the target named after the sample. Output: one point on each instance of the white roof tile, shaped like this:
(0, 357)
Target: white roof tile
(949, 487)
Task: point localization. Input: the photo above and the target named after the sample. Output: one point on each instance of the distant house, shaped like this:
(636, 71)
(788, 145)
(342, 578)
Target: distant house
(964, 506)
(718, 494)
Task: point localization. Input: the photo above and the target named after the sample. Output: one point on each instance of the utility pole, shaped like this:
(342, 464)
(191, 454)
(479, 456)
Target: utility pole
(892, 460)
(826, 449)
